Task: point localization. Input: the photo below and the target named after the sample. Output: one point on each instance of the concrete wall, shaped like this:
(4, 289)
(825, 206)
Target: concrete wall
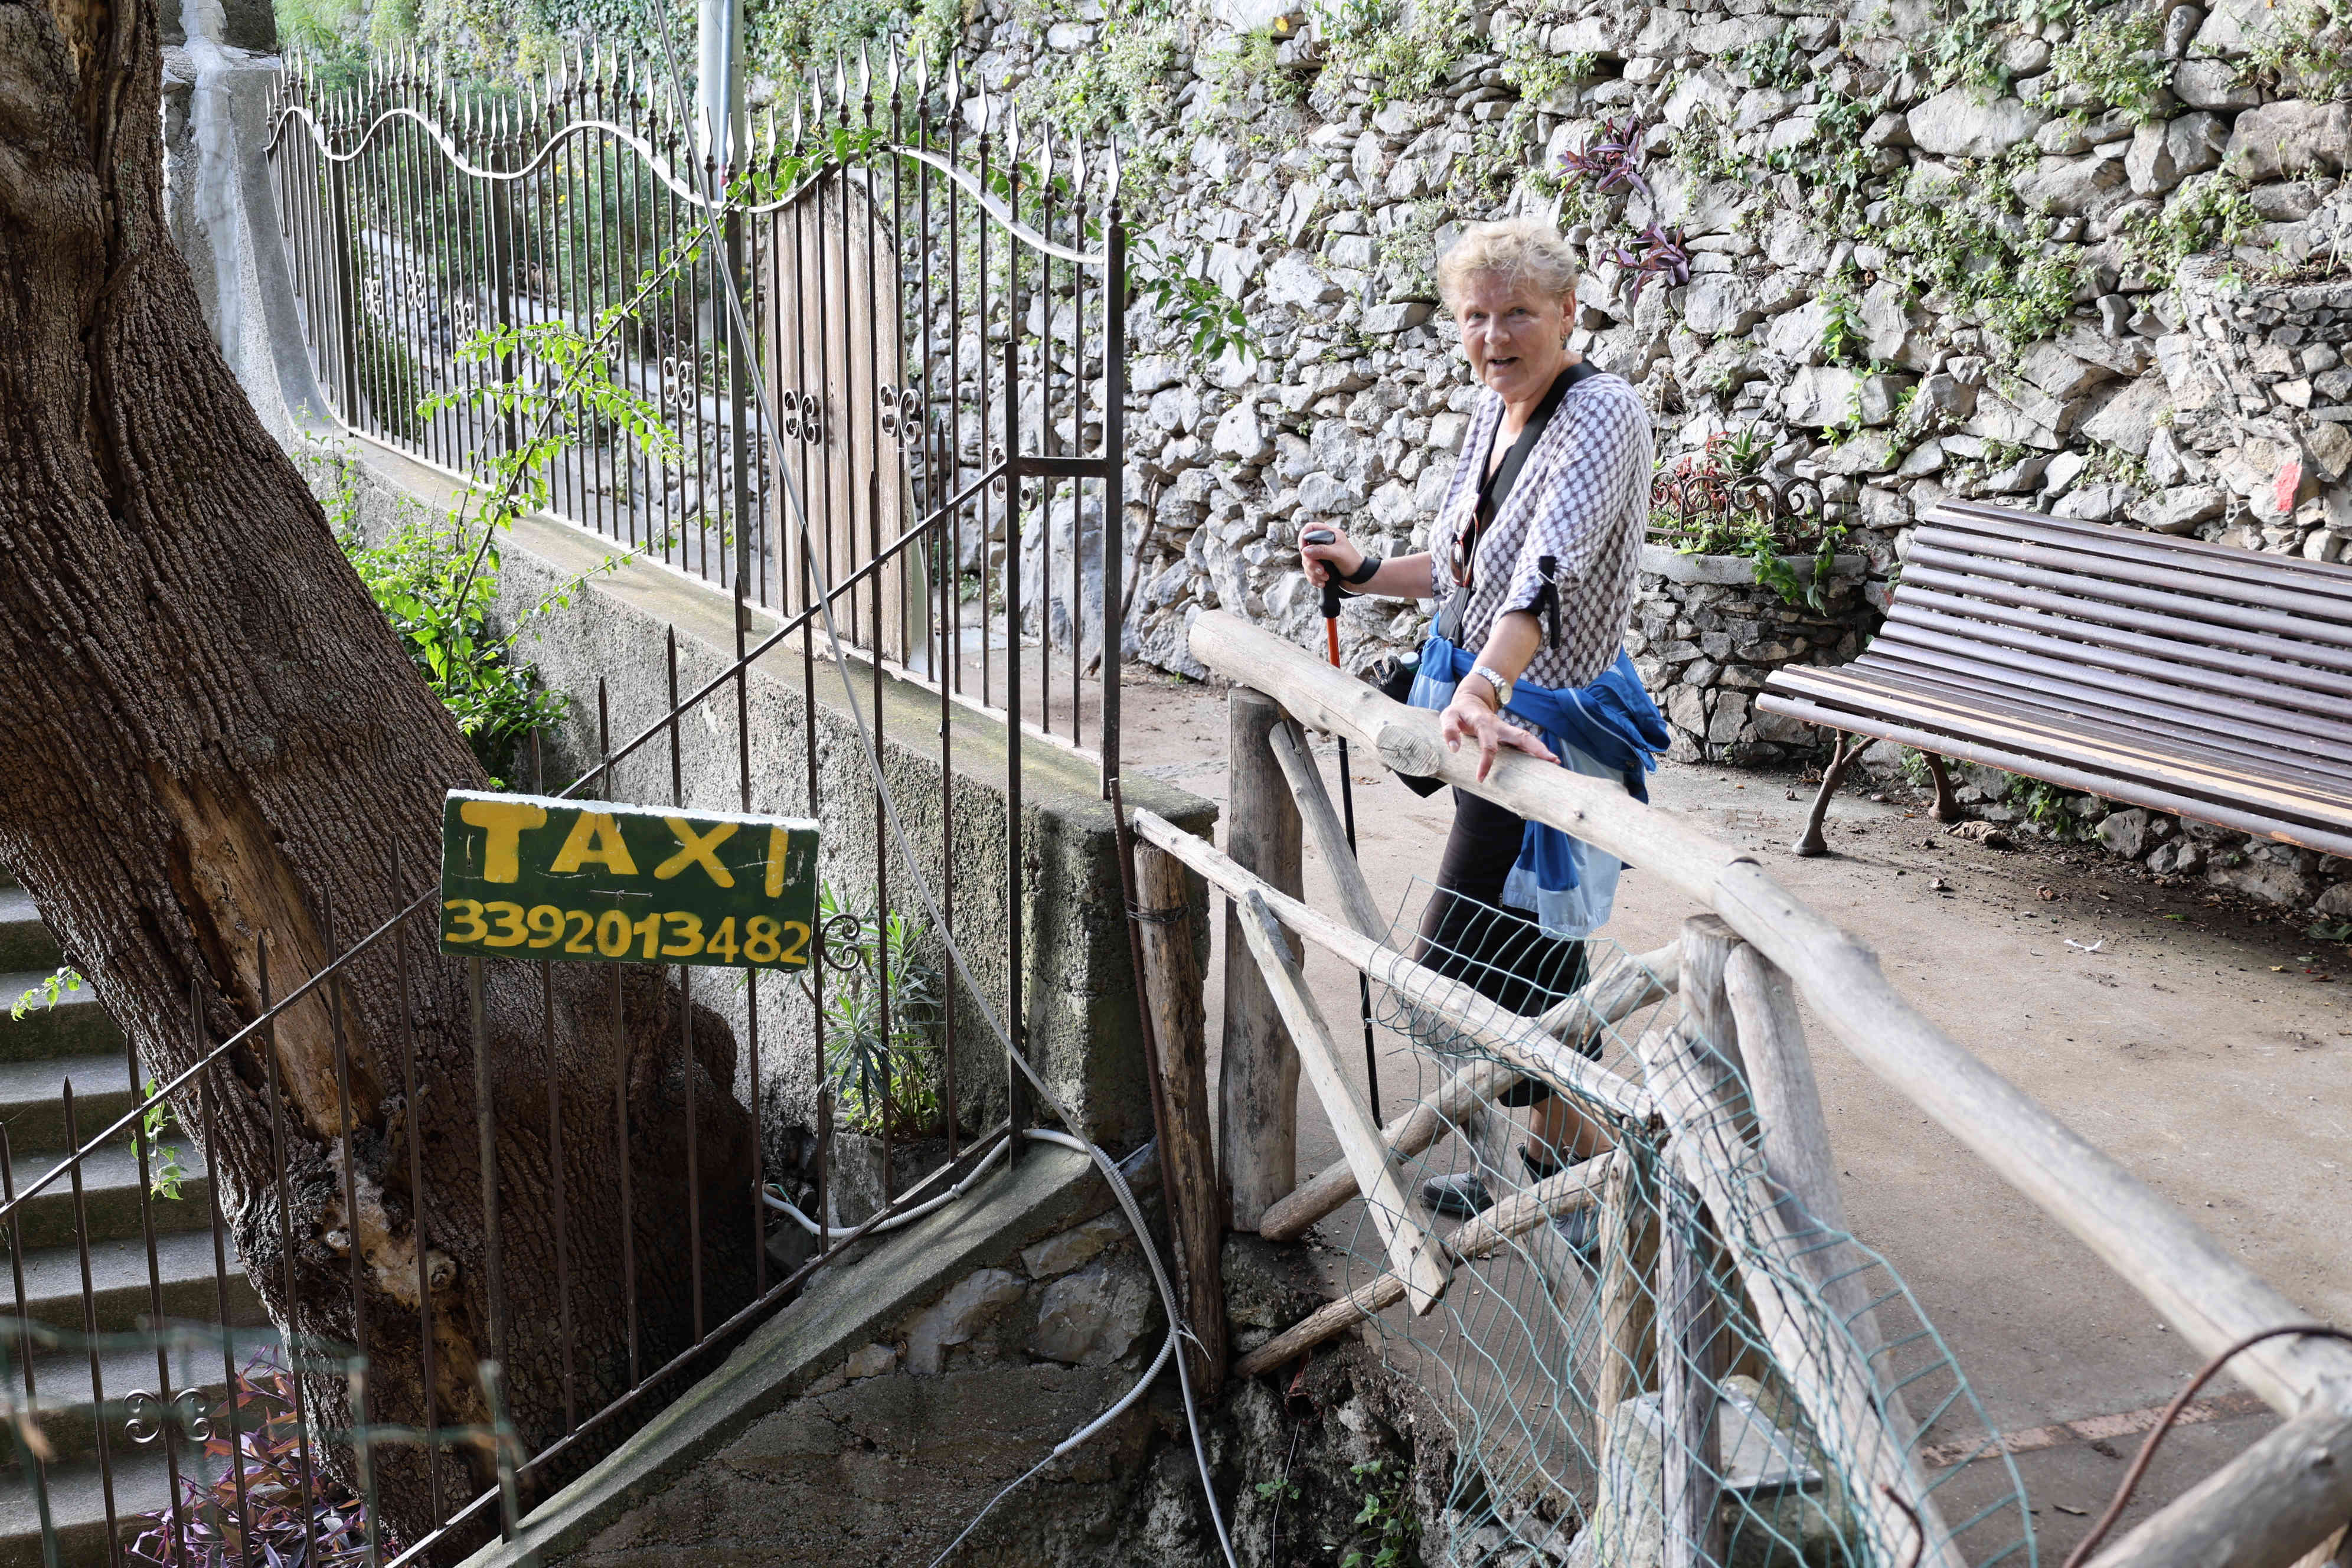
(1078, 998)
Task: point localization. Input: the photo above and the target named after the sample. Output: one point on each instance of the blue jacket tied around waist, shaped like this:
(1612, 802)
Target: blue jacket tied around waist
(1609, 729)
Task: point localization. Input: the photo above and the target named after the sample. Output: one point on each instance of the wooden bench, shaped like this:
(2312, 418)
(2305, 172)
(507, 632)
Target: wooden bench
(2188, 677)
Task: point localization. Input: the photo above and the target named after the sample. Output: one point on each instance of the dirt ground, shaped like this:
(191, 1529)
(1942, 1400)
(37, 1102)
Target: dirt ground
(2205, 1044)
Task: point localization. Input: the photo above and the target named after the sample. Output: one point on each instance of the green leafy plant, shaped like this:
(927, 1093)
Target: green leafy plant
(2049, 806)
(1211, 322)
(1386, 1531)
(871, 1066)
(2118, 59)
(1401, 53)
(165, 1177)
(2331, 930)
(1718, 501)
(1286, 1489)
(1844, 340)
(46, 991)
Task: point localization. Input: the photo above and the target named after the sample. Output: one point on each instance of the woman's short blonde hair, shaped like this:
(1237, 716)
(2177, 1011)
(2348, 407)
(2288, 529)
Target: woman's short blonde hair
(1518, 248)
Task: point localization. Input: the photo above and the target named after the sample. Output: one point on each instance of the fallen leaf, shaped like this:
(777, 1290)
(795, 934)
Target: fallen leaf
(2045, 893)
(2077, 1512)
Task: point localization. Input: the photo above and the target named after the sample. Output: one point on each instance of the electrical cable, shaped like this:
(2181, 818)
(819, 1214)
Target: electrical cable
(2098, 1533)
(771, 426)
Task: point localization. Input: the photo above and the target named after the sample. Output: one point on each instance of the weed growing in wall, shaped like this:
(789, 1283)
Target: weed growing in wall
(2118, 57)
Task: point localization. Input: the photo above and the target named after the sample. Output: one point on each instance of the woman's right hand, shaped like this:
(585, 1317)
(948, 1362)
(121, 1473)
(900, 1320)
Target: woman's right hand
(1320, 559)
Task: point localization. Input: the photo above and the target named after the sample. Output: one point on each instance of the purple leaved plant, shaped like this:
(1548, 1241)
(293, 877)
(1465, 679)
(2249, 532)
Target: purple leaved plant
(272, 1528)
(1656, 252)
(1611, 159)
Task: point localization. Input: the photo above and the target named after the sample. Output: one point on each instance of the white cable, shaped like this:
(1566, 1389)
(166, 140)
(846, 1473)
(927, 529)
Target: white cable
(783, 1206)
(771, 429)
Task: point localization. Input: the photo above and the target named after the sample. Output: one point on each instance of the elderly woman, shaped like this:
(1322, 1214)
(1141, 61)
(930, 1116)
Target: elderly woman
(1532, 564)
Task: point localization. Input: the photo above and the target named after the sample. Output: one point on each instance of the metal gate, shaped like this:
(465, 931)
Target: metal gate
(939, 309)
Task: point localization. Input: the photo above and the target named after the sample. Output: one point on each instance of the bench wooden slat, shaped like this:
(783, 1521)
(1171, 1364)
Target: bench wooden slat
(2239, 800)
(2303, 736)
(2218, 670)
(2269, 753)
(2065, 601)
(2187, 617)
(2170, 673)
(2280, 582)
(2126, 787)
(2104, 746)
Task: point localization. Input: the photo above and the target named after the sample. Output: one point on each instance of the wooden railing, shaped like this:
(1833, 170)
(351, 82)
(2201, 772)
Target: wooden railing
(1737, 966)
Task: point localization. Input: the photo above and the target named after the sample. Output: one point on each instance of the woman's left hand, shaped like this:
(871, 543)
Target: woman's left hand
(1468, 718)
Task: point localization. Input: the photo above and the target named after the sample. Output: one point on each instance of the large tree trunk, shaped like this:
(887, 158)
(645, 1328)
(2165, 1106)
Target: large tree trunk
(214, 743)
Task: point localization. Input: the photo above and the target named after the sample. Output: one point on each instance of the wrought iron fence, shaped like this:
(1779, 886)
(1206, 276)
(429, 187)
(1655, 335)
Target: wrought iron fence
(918, 440)
(123, 1234)
(936, 310)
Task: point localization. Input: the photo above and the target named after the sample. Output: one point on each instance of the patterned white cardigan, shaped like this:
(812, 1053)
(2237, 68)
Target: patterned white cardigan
(1582, 498)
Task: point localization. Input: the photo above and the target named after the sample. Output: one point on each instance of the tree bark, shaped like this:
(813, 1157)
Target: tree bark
(216, 744)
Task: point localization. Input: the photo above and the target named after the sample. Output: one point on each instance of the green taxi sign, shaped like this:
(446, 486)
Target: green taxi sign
(594, 881)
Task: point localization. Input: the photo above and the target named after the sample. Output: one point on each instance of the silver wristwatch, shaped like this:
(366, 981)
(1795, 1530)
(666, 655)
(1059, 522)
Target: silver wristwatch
(1502, 686)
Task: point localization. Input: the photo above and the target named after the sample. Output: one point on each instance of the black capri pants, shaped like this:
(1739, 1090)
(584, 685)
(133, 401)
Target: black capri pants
(1467, 935)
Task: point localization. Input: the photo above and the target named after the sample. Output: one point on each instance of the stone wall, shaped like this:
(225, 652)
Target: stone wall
(883, 1410)
(2123, 376)
(2094, 267)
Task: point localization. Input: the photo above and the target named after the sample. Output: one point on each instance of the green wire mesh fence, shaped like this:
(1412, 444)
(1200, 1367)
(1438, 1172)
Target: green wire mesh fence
(1650, 1352)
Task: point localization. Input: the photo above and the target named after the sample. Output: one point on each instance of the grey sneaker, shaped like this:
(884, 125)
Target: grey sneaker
(1461, 1193)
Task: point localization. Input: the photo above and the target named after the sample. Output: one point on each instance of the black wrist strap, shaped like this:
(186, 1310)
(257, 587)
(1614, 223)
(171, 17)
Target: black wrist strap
(1364, 573)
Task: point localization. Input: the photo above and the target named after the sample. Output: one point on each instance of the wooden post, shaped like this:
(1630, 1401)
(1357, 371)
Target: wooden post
(1315, 808)
(1629, 1258)
(1690, 1379)
(1707, 947)
(1840, 1391)
(1257, 1125)
(1166, 897)
(1795, 1136)
(1414, 1252)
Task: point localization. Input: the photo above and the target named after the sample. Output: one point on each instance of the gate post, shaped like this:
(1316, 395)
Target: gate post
(1257, 1112)
(1113, 548)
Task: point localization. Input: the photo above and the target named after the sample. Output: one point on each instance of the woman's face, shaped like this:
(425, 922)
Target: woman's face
(1515, 334)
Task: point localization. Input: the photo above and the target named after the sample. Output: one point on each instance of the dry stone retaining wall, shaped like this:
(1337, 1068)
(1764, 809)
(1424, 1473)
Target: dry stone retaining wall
(2095, 267)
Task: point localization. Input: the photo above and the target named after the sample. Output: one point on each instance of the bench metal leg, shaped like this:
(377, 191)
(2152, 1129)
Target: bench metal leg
(1948, 807)
(1811, 842)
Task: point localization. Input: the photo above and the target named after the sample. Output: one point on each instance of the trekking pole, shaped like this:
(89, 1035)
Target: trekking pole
(1348, 806)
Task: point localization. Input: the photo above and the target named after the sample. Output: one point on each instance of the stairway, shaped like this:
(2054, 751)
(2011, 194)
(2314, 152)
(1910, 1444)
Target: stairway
(75, 1040)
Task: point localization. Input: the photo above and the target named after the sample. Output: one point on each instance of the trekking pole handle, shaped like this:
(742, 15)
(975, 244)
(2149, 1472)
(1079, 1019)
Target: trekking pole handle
(1330, 571)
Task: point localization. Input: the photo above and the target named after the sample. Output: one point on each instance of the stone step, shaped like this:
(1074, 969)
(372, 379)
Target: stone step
(110, 1192)
(25, 942)
(118, 1274)
(35, 1112)
(75, 1026)
(66, 1416)
(78, 1507)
